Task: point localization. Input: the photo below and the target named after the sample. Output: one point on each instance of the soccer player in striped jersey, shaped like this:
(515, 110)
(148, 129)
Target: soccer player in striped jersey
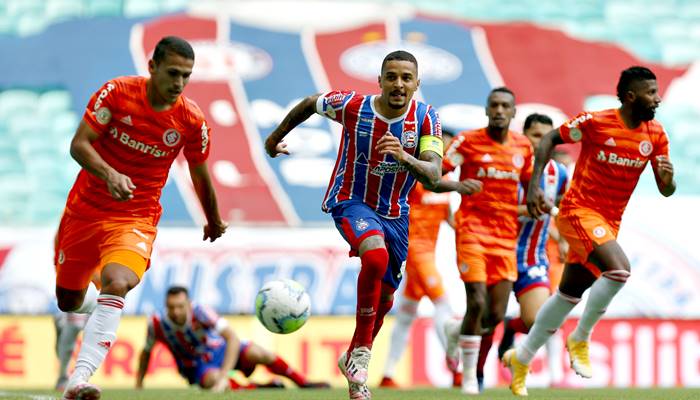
(132, 131)
(205, 348)
(532, 288)
(493, 161)
(389, 141)
(616, 145)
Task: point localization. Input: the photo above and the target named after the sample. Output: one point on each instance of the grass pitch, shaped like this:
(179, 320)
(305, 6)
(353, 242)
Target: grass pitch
(377, 394)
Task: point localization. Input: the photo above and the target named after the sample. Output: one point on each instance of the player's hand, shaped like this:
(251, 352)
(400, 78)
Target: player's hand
(214, 230)
(120, 186)
(391, 145)
(220, 385)
(536, 204)
(664, 168)
(470, 186)
(275, 147)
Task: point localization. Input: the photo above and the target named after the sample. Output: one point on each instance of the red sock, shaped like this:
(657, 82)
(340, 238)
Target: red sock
(386, 300)
(279, 367)
(517, 325)
(369, 283)
(486, 342)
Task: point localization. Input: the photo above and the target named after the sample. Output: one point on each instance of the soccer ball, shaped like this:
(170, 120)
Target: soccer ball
(282, 306)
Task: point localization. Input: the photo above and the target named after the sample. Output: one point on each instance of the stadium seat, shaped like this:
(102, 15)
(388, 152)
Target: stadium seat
(17, 101)
(60, 10)
(174, 5)
(105, 8)
(53, 102)
(141, 8)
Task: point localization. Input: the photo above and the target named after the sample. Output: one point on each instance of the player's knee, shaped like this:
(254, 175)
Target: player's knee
(528, 319)
(67, 304)
(118, 286)
(476, 304)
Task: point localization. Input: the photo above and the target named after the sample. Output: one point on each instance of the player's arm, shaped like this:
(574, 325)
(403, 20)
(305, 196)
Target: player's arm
(467, 186)
(119, 185)
(145, 356)
(300, 113)
(201, 180)
(663, 173)
(233, 346)
(535, 197)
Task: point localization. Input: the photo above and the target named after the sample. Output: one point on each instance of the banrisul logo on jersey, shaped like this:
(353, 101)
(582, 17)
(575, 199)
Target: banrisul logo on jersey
(614, 159)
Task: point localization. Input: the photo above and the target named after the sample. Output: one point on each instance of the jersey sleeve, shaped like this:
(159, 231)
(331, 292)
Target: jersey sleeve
(102, 104)
(431, 133)
(526, 172)
(454, 155)
(577, 128)
(660, 148)
(206, 316)
(563, 179)
(332, 104)
(198, 142)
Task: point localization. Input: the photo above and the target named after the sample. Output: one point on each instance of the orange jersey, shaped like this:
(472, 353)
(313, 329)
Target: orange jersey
(612, 159)
(428, 210)
(491, 214)
(138, 142)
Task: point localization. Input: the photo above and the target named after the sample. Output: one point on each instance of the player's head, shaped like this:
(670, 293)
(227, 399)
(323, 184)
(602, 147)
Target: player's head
(177, 303)
(637, 88)
(171, 67)
(535, 126)
(399, 78)
(500, 107)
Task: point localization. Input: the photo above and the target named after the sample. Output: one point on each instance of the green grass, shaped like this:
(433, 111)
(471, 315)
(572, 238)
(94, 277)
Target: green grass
(377, 394)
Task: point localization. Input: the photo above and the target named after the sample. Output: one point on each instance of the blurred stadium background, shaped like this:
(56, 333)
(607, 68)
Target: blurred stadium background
(255, 59)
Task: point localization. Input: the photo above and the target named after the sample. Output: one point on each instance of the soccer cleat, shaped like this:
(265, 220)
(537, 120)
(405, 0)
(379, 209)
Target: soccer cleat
(82, 391)
(470, 386)
(452, 328)
(506, 341)
(355, 391)
(518, 372)
(388, 383)
(357, 364)
(578, 354)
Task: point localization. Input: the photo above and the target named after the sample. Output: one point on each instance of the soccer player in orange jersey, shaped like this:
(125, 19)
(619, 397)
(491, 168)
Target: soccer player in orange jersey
(428, 211)
(492, 161)
(616, 145)
(131, 132)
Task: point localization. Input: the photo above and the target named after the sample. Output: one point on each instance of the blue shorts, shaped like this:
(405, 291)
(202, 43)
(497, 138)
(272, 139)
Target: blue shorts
(214, 360)
(530, 277)
(356, 221)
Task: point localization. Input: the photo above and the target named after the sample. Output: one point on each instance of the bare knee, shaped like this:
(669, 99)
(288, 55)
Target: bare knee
(117, 287)
(117, 280)
(69, 304)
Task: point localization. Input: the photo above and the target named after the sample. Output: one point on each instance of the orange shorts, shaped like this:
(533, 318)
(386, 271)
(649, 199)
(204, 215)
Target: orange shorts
(83, 247)
(422, 277)
(556, 267)
(585, 229)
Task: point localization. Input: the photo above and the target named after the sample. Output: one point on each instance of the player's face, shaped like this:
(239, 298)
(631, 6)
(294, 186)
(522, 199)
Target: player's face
(178, 306)
(500, 108)
(536, 131)
(646, 99)
(170, 75)
(399, 80)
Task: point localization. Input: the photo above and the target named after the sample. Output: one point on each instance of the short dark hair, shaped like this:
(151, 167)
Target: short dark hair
(535, 117)
(502, 89)
(399, 55)
(631, 75)
(173, 44)
(175, 290)
(448, 132)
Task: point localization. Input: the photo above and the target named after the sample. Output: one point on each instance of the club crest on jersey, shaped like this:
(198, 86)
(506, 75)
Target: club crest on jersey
(575, 134)
(408, 139)
(645, 148)
(599, 232)
(103, 115)
(171, 137)
(518, 160)
(361, 224)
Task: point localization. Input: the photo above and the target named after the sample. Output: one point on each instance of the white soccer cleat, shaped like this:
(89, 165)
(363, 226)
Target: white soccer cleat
(355, 391)
(82, 391)
(470, 387)
(355, 367)
(452, 328)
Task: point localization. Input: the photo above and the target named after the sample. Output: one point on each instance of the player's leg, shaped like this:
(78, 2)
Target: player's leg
(498, 294)
(407, 306)
(252, 354)
(70, 326)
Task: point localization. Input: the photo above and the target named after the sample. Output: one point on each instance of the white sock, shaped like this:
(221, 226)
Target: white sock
(89, 301)
(549, 318)
(100, 334)
(470, 345)
(443, 313)
(602, 292)
(554, 346)
(399, 334)
(65, 342)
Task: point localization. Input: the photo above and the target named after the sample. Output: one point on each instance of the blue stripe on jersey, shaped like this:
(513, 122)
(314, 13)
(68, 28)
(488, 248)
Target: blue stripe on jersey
(525, 232)
(386, 183)
(363, 142)
(331, 199)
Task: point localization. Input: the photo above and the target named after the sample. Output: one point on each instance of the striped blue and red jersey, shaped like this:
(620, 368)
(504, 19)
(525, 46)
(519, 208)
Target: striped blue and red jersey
(196, 339)
(360, 172)
(534, 233)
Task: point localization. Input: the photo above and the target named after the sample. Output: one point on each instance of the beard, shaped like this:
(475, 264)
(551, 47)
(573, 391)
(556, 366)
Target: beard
(645, 113)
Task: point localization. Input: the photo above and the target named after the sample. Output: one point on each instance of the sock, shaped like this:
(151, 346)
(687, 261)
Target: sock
(548, 320)
(386, 300)
(443, 313)
(486, 343)
(65, 342)
(517, 325)
(374, 264)
(399, 334)
(89, 301)
(602, 292)
(100, 334)
(279, 367)
(470, 345)
(554, 346)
